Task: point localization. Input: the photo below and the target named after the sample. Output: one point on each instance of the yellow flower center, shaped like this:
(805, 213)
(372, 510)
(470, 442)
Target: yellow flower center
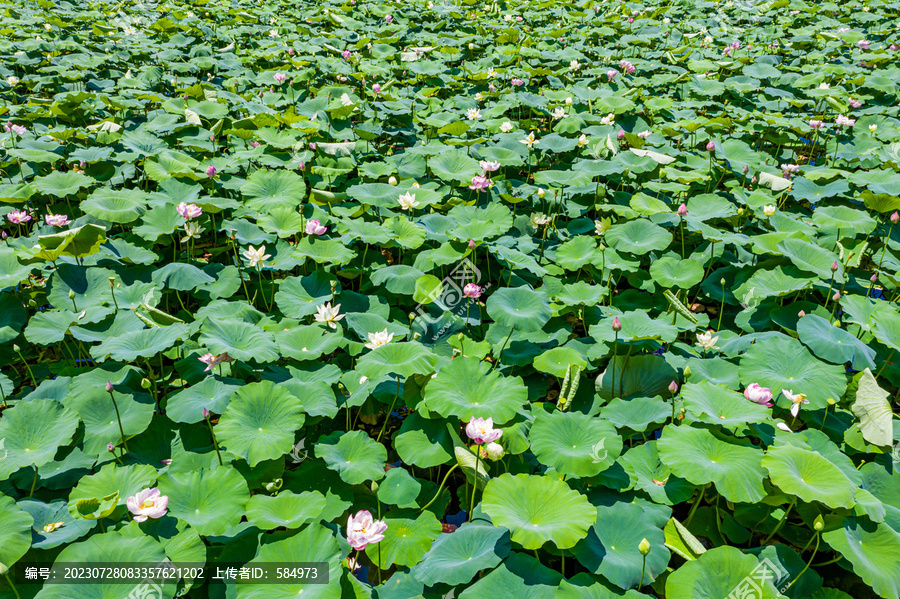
(148, 503)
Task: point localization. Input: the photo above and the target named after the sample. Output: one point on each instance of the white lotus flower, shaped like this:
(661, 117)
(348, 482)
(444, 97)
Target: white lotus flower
(191, 231)
(506, 126)
(379, 339)
(407, 201)
(255, 256)
(582, 140)
(529, 140)
(473, 114)
(609, 119)
(797, 399)
(539, 219)
(769, 210)
(491, 73)
(345, 100)
(706, 340)
(574, 65)
(559, 112)
(328, 315)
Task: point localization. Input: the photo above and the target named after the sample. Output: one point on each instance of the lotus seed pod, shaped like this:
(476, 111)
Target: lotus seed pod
(110, 447)
(830, 401)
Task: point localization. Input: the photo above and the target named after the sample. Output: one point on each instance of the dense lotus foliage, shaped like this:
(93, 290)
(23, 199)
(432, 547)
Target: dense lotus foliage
(556, 300)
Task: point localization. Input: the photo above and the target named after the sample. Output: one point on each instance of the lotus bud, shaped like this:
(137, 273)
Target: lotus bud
(722, 281)
(71, 294)
(471, 244)
(376, 89)
(644, 547)
(110, 447)
(616, 324)
(3, 569)
(874, 277)
(16, 348)
(145, 383)
(374, 487)
(746, 169)
(412, 315)
(895, 217)
(460, 336)
(837, 296)
(32, 304)
(819, 523)
(711, 146)
(205, 413)
(109, 387)
(673, 387)
(834, 266)
(687, 372)
(541, 192)
(392, 180)
(274, 486)
(801, 314)
(682, 210)
(740, 212)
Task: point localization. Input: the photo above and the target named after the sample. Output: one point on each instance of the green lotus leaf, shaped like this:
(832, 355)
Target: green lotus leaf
(15, 531)
(141, 344)
(521, 308)
(469, 388)
(574, 443)
(112, 480)
(120, 206)
(518, 576)
(456, 558)
(266, 190)
(810, 257)
(720, 571)
(315, 543)
(78, 242)
(211, 501)
(671, 272)
(308, 342)
(103, 550)
(700, 457)
(575, 253)
(285, 509)
(59, 184)
(101, 416)
(404, 359)
(873, 549)
(638, 237)
(644, 375)
(783, 363)
(454, 165)
(652, 477)
(32, 431)
(399, 488)
(423, 442)
(833, 343)
(557, 360)
(212, 393)
(636, 326)
(538, 509)
(715, 404)
(874, 411)
(353, 455)
(611, 547)
(182, 277)
(260, 422)
(809, 476)
(406, 540)
(240, 340)
(52, 513)
(298, 296)
(637, 413)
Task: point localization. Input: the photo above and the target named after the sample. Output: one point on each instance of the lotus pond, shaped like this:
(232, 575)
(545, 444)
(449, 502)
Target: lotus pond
(554, 300)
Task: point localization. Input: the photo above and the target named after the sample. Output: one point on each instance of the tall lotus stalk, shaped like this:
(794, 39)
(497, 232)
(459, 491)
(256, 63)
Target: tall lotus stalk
(616, 327)
(213, 434)
(109, 389)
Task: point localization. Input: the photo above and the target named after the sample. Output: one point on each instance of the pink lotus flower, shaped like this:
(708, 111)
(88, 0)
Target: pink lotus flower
(621, 134)
(843, 121)
(56, 220)
(376, 89)
(516, 82)
(480, 183)
(759, 395)
(363, 530)
(188, 211)
(291, 52)
(863, 44)
(351, 563)
(626, 67)
(673, 387)
(147, 504)
(18, 217)
(616, 324)
(210, 171)
(710, 146)
(279, 78)
(17, 129)
(893, 47)
(482, 430)
(816, 124)
(472, 291)
(488, 166)
(346, 54)
(254, 144)
(388, 18)
(212, 360)
(682, 210)
(895, 217)
(854, 103)
(611, 74)
(315, 227)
